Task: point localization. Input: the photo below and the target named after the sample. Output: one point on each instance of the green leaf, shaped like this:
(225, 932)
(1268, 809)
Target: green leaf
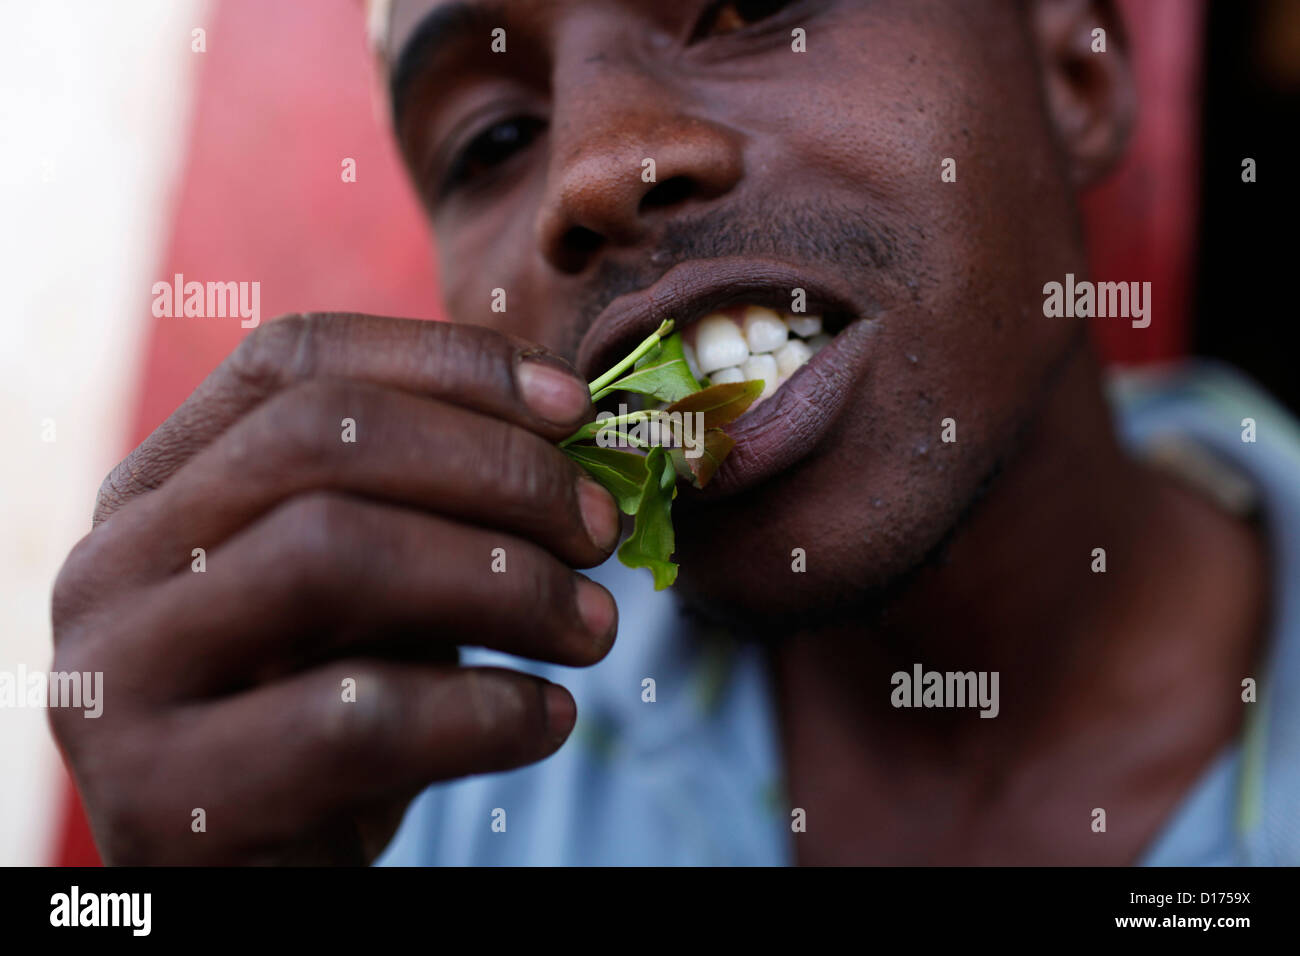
(651, 543)
(661, 373)
(623, 473)
(645, 486)
(667, 477)
(720, 403)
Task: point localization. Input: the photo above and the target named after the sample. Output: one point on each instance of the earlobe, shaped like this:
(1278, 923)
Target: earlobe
(1088, 81)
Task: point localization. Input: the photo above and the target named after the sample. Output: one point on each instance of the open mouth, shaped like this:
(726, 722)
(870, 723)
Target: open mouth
(753, 342)
(736, 316)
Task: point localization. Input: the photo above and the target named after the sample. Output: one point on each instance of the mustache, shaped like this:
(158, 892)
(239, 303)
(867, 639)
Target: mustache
(851, 238)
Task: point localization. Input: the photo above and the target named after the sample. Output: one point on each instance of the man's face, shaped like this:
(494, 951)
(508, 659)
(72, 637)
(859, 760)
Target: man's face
(774, 170)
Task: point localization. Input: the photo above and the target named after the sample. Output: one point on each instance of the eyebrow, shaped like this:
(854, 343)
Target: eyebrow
(443, 27)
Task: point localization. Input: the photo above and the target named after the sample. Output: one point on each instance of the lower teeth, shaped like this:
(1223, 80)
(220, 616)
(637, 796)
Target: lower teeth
(762, 367)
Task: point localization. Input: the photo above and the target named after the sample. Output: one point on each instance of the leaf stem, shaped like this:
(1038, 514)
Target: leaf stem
(616, 422)
(631, 360)
(629, 439)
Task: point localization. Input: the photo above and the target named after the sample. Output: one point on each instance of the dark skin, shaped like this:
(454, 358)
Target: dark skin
(774, 169)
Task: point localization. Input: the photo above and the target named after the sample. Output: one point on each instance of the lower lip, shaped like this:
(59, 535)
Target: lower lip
(785, 427)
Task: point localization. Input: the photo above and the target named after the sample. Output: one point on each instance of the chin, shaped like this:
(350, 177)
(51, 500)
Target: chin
(809, 545)
(759, 559)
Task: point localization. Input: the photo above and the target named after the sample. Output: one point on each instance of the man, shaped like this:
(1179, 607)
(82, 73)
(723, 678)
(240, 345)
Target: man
(942, 489)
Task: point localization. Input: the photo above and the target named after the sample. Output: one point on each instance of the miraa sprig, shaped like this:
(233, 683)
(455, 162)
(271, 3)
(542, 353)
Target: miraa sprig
(644, 481)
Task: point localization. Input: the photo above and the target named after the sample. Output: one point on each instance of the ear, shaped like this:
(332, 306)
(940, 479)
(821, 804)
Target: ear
(1091, 99)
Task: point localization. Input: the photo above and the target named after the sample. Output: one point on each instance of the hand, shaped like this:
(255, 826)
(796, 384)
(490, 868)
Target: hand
(327, 561)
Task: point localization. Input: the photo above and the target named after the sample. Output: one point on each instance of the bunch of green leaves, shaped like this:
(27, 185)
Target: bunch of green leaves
(644, 481)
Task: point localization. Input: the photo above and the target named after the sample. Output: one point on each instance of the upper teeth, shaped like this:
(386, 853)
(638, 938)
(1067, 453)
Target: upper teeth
(719, 344)
(758, 347)
(804, 326)
(764, 330)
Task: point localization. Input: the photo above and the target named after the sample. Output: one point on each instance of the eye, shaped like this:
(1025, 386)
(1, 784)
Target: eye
(491, 148)
(729, 16)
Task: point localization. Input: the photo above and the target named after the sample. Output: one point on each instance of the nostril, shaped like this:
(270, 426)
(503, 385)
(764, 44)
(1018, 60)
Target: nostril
(582, 240)
(576, 247)
(667, 193)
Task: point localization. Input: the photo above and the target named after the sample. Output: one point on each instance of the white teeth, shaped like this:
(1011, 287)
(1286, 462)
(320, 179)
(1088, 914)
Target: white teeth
(719, 344)
(791, 355)
(804, 326)
(761, 367)
(692, 362)
(764, 330)
(762, 345)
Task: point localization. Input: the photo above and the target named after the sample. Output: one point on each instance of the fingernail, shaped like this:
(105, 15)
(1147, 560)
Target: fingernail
(599, 514)
(561, 713)
(597, 610)
(553, 394)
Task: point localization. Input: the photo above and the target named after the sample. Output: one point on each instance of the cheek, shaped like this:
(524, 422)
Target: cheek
(967, 338)
(964, 339)
(487, 270)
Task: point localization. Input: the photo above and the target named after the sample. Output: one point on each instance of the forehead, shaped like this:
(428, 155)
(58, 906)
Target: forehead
(394, 23)
(419, 39)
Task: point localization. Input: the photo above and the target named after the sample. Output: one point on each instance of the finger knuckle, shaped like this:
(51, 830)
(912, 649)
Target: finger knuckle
(112, 494)
(117, 787)
(128, 478)
(509, 715)
(278, 351)
(297, 431)
(316, 534)
(68, 724)
(71, 594)
(115, 767)
(363, 727)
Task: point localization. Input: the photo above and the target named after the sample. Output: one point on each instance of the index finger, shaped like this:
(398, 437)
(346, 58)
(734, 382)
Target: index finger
(466, 365)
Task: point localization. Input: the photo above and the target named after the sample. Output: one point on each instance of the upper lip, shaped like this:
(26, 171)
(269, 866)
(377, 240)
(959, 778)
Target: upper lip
(690, 290)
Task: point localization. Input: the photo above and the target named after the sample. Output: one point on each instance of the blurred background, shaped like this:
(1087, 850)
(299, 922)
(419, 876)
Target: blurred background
(145, 138)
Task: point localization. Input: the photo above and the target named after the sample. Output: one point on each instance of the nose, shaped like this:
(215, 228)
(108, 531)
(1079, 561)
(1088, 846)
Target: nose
(599, 191)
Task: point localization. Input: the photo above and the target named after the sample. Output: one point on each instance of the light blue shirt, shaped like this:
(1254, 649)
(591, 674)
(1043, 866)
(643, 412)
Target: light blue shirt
(695, 778)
